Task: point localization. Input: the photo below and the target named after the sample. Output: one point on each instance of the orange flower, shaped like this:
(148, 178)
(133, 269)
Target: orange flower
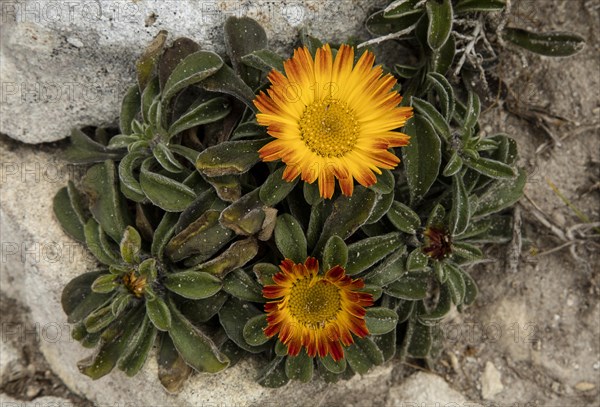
(332, 119)
(317, 312)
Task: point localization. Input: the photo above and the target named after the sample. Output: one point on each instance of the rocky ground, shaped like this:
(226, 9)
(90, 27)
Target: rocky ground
(532, 337)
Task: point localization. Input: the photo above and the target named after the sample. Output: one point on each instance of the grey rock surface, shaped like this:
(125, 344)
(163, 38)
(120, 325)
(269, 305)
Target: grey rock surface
(425, 389)
(67, 63)
(491, 383)
(47, 401)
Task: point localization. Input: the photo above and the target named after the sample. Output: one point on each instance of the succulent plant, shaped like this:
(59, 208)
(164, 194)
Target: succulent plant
(213, 241)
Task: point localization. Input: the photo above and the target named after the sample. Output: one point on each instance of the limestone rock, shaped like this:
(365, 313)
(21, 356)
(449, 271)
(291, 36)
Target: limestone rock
(491, 384)
(425, 389)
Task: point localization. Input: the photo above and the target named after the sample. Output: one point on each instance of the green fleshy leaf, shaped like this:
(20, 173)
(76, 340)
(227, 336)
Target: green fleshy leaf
(471, 6)
(365, 253)
(290, 239)
(280, 349)
(68, 215)
(120, 302)
(254, 330)
(138, 348)
(348, 214)
(172, 56)
(552, 44)
(333, 366)
(429, 112)
(164, 192)
(380, 320)
(471, 289)
(84, 150)
(375, 291)
(385, 182)
(500, 195)
(111, 348)
(239, 284)
(146, 63)
(228, 187)
(377, 24)
(264, 272)
(249, 130)
(409, 287)
(194, 346)
(264, 60)
(465, 252)
(130, 186)
(204, 236)
(105, 284)
(208, 112)
(273, 374)
(440, 22)
(166, 158)
(229, 158)
(417, 260)
(95, 240)
(442, 308)
(422, 157)
(403, 218)
(226, 81)
(363, 354)
(201, 311)
(77, 298)
(383, 203)
(460, 212)
(106, 203)
(275, 189)
(473, 109)
(242, 37)
(163, 233)
(490, 168)
(299, 367)
(130, 107)
(405, 309)
(192, 69)
(390, 270)
(159, 314)
(335, 253)
(311, 193)
(419, 340)
(236, 256)
(99, 319)
(405, 71)
(172, 369)
(192, 284)
(456, 285)
(233, 316)
(400, 8)
(150, 98)
(444, 91)
(436, 217)
(131, 245)
(387, 344)
(453, 166)
(441, 59)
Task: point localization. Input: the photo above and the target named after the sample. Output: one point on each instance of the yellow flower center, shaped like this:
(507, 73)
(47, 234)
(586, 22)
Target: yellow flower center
(329, 128)
(316, 304)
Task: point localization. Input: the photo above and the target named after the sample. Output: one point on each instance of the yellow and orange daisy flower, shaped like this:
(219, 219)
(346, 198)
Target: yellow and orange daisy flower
(317, 312)
(332, 119)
